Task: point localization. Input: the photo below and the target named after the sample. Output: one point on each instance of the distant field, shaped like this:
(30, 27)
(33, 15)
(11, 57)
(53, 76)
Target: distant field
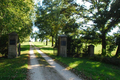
(98, 50)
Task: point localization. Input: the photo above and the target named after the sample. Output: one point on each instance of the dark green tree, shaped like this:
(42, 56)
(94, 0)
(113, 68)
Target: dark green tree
(105, 16)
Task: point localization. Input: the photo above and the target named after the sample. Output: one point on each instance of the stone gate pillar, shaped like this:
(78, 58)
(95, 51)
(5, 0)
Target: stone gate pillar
(62, 45)
(12, 45)
(91, 50)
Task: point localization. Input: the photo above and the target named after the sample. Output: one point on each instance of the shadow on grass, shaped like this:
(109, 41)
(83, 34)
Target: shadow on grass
(88, 69)
(92, 70)
(16, 68)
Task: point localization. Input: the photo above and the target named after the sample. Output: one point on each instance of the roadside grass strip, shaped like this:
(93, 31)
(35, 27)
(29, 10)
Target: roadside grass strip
(15, 69)
(40, 59)
(87, 69)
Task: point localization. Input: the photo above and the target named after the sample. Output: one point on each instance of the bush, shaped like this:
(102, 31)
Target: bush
(4, 45)
(73, 46)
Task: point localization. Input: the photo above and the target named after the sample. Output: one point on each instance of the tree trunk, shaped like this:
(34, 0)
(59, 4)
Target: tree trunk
(46, 42)
(52, 40)
(118, 51)
(103, 44)
(56, 43)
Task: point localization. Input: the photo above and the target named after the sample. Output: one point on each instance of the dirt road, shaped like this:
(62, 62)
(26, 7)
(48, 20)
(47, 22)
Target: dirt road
(51, 71)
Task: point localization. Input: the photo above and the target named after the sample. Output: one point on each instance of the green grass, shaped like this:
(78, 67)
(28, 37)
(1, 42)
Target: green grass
(48, 49)
(98, 50)
(40, 59)
(92, 69)
(85, 67)
(15, 69)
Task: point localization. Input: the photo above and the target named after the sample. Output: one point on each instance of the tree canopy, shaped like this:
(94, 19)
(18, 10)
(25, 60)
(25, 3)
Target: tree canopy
(15, 17)
(57, 16)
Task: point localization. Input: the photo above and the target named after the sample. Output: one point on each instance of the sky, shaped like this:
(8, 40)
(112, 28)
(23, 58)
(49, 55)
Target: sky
(35, 29)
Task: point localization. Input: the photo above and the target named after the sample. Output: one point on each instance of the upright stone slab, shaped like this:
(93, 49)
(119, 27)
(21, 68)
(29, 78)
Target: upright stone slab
(91, 50)
(62, 46)
(12, 45)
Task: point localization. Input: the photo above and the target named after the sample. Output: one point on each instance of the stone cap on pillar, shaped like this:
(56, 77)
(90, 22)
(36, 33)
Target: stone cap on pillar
(91, 46)
(13, 34)
(62, 36)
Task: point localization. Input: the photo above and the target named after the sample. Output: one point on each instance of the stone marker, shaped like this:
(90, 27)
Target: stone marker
(12, 45)
(91, 50)
(62, 45)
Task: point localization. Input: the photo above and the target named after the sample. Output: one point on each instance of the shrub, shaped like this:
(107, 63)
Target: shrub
(4, 45)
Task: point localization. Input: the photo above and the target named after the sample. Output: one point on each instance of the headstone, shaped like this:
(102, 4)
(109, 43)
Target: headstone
(12, 45)
(91, 50)
(62, 46)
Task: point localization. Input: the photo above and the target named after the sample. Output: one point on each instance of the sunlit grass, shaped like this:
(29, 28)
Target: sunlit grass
(41, 60)
(98, 50)
(15, 69)
(92, 69)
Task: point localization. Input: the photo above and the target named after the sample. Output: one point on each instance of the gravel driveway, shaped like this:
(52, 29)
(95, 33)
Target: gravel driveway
(53, 71)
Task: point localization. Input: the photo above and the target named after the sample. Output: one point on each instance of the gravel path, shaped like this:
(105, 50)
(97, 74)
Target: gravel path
(52, 72)
(35, 71)
(41, 72)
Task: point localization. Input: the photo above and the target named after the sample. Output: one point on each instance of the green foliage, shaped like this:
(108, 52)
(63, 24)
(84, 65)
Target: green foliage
(73, 46)
(104, 15)
(4, 45)
(111, 44)
(55, 17)
(15, 17)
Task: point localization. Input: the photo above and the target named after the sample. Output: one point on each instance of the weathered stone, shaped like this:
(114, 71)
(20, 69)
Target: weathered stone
(91, 50)
(62, 46)
(12, 45)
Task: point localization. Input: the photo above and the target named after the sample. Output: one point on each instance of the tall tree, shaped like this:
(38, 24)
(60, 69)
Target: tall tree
(15, 16)
(105, 16)
(54, 15)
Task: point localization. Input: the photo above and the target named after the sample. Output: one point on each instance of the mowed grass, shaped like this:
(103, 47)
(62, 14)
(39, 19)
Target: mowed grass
(86, 68)
(15, 69)
(98, 50)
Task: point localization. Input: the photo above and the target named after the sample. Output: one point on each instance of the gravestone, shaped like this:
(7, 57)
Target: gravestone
(91, 50)
(62, 46)
(12, 45)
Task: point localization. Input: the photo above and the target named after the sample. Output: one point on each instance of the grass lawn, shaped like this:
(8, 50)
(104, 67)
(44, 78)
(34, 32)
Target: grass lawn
(15, 69)
(41, 60)
(98, 50)
(91, 69)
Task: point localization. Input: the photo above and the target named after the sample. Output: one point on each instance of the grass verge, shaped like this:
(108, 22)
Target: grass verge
(86, 68)
(15, 69)
(40, 59)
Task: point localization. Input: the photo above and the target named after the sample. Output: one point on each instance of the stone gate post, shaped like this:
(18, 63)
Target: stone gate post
(12, 45)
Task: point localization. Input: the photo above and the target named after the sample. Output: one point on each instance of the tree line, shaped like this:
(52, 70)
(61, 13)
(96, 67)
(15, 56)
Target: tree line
(55, 17)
